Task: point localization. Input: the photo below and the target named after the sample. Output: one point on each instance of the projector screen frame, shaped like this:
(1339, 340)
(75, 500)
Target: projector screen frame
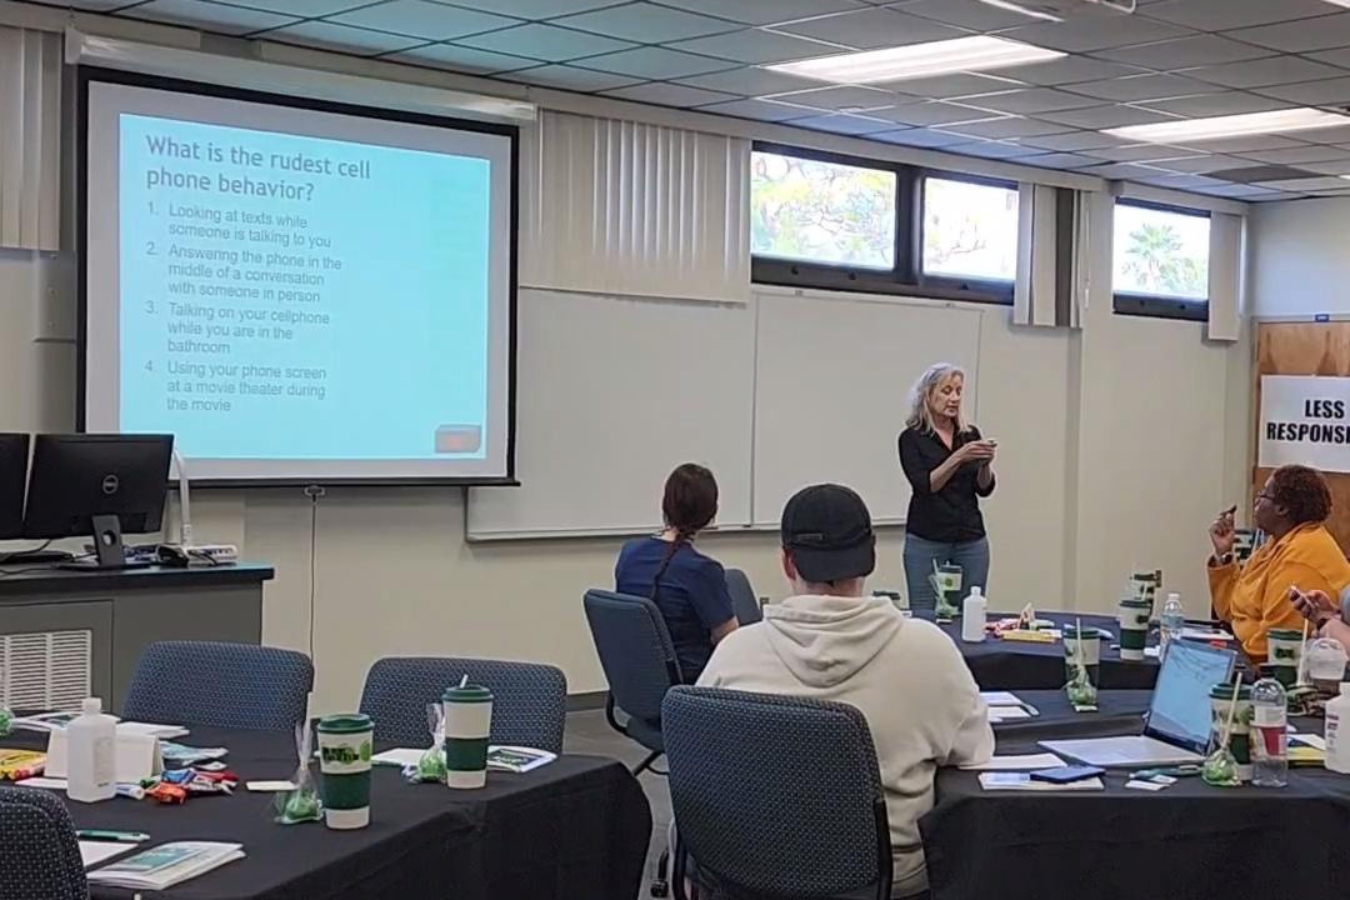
(87, 75)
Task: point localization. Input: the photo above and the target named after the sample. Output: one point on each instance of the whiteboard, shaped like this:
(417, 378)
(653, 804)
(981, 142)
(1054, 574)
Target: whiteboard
(612, 394)
(833, 373)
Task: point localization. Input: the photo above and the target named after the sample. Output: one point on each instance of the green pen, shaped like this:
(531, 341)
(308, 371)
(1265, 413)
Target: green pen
(120, 837)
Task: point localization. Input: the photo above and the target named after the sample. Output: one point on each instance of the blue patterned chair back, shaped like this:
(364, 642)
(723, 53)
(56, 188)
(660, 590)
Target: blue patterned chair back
(635, 651)
(220, 684)
(776, 796)
(40, 859)
(743, 599)
(529, 700)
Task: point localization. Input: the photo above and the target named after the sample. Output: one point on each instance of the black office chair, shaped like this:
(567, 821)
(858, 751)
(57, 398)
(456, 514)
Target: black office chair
(743, 600)
(775, 796)
(41, 856)
(638, 657)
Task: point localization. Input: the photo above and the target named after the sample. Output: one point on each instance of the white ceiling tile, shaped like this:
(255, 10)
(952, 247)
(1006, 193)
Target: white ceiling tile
(1324, 183)
(1244, 192)
(975, 16)
(93, 5)
(1182, 182)
(1205, 50)
(1339, 57)
(934, 112)
(757, 46)
(1313, 93)
(994, 149)
(1330, 167)
(844, 97)
(1074, 141)
(209, 16)
(1220, 15)
(843, 124)
(1245, 144)
(1061, 160)
(1300, 155)
(1301, 36)
(1096, 33)
(464, 59)
(1134, 88)
(1203, 165)
(1031, 101)
(1126, 171)
(342, 38)
(537, 9)
(647, 23)
(656, 62)
(1070, 70)
(1263, 72)
(920, 137)
(1010, 127)
(1142, 153)
(664, 93)
(1110, 116)
(751, 81)
(762, 110)
(544, 42)
(960, 84)
(1337, 134)
(305, 9)
(1227, 103)
(421, 19)
(570, 78)
(765, 12)
(872, 28)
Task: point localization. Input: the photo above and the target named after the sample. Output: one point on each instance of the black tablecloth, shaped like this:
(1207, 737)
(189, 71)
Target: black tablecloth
(1187, 842)
(1118, 712)
(1000, 665)
(577, 828)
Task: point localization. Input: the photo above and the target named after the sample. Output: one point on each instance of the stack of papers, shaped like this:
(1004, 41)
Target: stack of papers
(1004, 706)
(1029, 762)
(57, 721)
(1021, 781)
(163, 867)
(188, 756)
(95, 852)
(518, 759)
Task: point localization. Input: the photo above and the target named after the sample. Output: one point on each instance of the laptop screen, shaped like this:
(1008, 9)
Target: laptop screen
(1179, 711)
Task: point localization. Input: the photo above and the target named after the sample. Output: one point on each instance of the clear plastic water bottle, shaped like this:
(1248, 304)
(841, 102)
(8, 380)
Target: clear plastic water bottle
(1270, 742)
(1173, 620)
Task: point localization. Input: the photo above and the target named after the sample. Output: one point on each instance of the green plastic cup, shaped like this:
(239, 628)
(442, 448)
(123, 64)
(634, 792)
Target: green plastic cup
(345, 745)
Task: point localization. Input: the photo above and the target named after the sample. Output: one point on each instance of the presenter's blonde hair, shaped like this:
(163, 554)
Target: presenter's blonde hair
(920, 415)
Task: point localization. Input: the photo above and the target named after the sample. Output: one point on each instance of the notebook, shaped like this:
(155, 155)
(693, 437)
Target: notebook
(162, 867)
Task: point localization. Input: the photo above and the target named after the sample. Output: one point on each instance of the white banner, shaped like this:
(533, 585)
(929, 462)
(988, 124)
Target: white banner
(1305, 419)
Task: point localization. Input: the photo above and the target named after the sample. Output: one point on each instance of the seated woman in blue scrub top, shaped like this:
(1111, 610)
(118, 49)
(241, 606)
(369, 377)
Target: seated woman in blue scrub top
(689, 588)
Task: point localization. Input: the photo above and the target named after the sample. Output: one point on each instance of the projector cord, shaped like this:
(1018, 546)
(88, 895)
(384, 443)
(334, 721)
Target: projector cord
(314, 492)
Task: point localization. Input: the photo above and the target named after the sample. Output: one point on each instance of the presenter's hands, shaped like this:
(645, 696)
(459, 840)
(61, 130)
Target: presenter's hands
(1315, 606)
(981, 452)
(1223, 533)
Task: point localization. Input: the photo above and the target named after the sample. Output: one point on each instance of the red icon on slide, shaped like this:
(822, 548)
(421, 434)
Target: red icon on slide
(459, 438)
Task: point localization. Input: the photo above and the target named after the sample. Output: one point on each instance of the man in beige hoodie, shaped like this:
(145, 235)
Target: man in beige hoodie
(830, 641)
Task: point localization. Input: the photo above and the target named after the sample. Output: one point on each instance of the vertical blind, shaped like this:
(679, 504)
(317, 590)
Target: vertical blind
(1225, 277)
(1054, 261)
(30, 139)
(615, 207)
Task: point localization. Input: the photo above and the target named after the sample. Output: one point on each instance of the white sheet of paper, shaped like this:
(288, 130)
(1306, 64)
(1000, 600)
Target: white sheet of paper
(51, 784)
(1019, 781)
(1028, 762)
(95, 852)
(1000, 698)
(1007, 713)
(1205, 634)
(1145, 785)
(1316, 741)
(269, 787)
(399, 756)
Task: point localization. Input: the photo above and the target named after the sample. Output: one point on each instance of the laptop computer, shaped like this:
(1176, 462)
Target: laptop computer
(1176, 730)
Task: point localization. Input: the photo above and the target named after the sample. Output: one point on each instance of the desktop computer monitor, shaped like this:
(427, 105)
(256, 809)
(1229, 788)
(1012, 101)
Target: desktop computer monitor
(100, 485)
(13, 478)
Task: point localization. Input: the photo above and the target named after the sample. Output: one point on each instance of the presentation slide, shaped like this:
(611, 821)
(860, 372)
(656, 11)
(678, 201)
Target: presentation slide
(298, 294)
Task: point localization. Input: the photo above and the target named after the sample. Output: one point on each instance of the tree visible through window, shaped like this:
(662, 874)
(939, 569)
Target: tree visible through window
(1161, 253)
(969, 230)
(822, 212)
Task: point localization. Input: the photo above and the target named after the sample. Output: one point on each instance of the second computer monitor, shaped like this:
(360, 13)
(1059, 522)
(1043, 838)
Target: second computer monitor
(78, 480)
(13, 477)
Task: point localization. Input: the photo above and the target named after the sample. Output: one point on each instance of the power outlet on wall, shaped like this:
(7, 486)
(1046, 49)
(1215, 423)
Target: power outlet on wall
(55, 293)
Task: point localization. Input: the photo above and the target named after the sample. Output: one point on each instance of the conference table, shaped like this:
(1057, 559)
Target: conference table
(578, 827)
(1189, 841)
(1015, 665)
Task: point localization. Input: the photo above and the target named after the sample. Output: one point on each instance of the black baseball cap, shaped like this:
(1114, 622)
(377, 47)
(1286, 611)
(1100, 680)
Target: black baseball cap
(828, 531)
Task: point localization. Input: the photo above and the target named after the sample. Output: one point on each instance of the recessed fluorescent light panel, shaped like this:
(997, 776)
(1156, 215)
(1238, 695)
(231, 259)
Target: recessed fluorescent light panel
(970, 54)
(1189, 131)
(1010, 6)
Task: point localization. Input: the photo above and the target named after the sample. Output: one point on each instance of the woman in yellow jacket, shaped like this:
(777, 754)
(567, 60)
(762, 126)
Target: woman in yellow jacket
(1300, 552)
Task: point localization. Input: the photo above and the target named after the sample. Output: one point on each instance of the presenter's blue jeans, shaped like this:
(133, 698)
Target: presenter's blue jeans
(920, 554)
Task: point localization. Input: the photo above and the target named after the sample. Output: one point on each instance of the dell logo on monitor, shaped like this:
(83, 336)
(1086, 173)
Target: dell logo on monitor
(110, 485)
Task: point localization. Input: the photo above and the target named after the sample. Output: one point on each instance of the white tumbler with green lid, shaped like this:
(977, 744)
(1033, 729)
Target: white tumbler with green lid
(345, 746)
(468, 725)
(1134, 614)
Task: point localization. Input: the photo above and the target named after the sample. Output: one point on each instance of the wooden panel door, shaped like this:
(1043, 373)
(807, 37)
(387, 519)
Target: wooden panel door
(1306, 348)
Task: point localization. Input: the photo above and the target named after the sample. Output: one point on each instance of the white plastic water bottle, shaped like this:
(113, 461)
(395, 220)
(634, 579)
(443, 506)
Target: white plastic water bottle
(91, 747)
(1338, 738)
(973, 615)
(1172, 621)
(1270, 741)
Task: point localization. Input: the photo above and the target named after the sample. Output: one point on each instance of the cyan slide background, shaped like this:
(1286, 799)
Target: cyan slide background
(406, 350)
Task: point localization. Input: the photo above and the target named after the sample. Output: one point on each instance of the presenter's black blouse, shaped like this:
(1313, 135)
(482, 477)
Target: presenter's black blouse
(951, 515)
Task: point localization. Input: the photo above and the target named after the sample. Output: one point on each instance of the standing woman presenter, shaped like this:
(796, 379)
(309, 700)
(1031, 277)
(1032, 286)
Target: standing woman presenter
(949, 468)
